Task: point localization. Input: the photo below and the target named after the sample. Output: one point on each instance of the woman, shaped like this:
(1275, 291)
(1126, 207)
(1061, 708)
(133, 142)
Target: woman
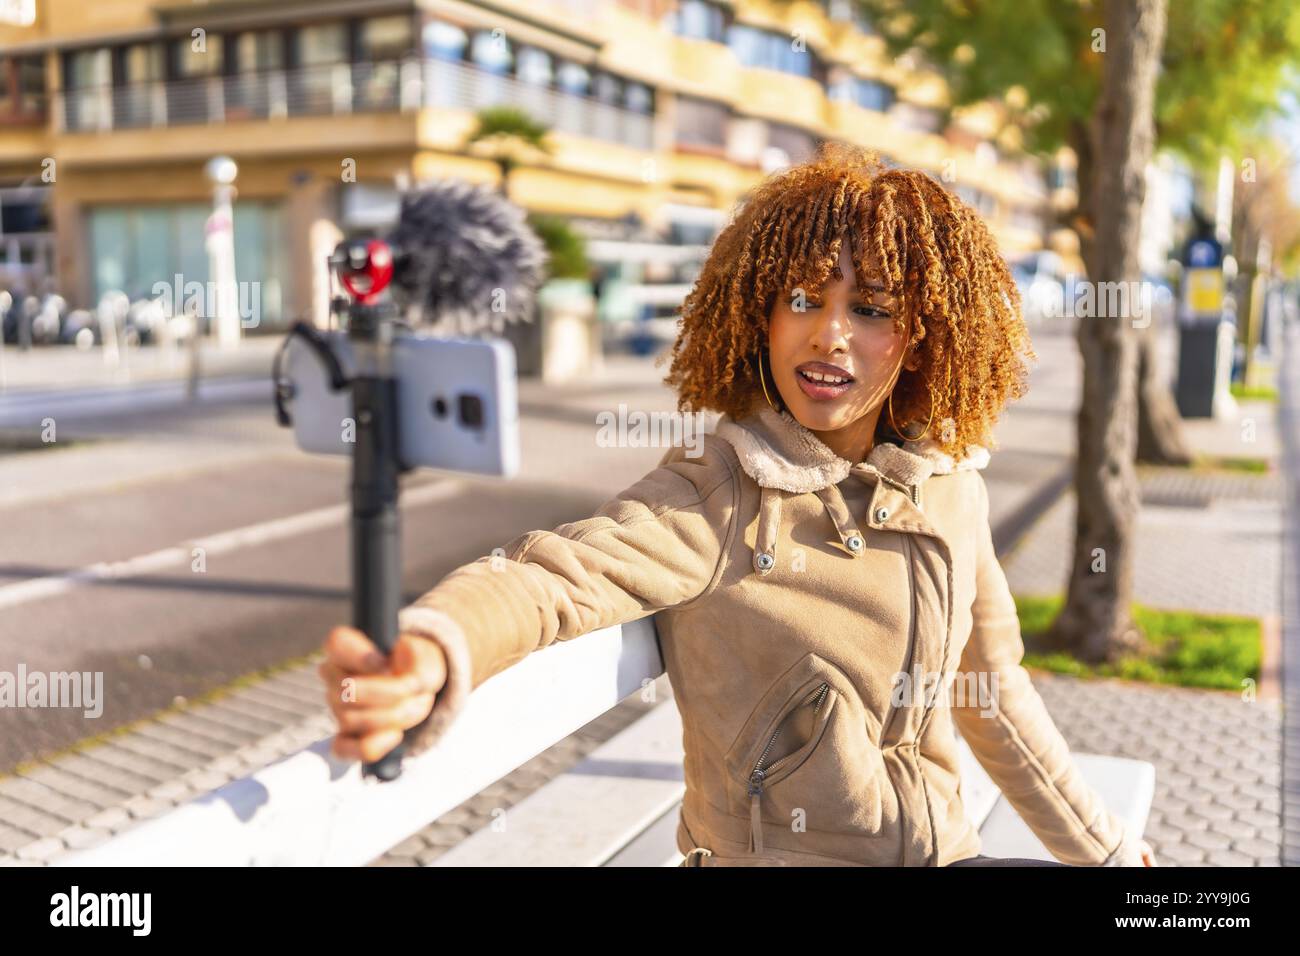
(830, 607)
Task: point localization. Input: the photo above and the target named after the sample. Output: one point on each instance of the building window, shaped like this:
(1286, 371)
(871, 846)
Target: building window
(386, 38)
(133, 247)
(925, 119)
(88, 68)
(700, 20)
(848, 11)
(317, 86)
(1060, 176)
(31, 84)
(22, 87)
(25, 210)
(88, 80)
(639, 98)
(192, 61)
(701, 122)
(257, 52)
(139, 63)
(491, 52)
(798, 144)
(382, 43)
(250, 89)
(869, 94)
(1027, 217)
(982, 202)
(139, 67)
(608, 89)
(444, 41)
(573, 78)
(534, 67)
(769, 50)
(321, 45)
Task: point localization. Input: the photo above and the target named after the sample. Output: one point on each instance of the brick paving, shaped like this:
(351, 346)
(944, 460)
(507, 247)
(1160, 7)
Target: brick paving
(80, 798)
(1205, 542)
(1218, 773)
(1290, 418)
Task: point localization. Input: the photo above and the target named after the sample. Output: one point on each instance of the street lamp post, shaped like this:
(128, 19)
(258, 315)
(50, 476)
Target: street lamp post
(220, 235)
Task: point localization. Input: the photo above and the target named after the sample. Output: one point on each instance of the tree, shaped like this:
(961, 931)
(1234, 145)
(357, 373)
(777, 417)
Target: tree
(509, 136)
(565, 247)
(1265, 231)
(1108, 80)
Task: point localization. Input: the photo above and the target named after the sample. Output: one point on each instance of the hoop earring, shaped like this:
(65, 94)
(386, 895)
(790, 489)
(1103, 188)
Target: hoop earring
(763, 379)
(890, 403)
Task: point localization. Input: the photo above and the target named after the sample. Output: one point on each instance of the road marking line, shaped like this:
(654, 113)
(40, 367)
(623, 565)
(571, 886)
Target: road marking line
(223, 542)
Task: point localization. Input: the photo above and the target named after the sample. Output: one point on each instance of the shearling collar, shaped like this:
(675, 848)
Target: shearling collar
(778, 452)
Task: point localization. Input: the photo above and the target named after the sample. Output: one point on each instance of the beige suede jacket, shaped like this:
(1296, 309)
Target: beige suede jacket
(827, 628)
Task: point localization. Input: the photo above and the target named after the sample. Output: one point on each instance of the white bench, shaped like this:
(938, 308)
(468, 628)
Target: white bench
(617, 807)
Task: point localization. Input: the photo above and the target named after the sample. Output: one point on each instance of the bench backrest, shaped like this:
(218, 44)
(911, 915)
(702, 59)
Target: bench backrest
(310, 809)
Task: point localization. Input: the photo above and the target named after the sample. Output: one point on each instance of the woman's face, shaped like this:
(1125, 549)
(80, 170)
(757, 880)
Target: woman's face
(835, 357)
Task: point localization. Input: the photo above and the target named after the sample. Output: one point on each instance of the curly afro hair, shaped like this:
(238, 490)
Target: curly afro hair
(906, 231)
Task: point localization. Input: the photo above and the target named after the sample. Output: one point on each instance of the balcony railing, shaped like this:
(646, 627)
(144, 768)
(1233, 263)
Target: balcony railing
(342, 89)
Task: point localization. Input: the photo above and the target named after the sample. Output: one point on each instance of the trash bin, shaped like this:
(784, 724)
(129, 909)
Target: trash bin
(1205, 354)
(570, 331)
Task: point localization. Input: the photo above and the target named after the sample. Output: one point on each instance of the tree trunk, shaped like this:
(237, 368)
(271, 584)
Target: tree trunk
(1160, 427)
(1096, 623)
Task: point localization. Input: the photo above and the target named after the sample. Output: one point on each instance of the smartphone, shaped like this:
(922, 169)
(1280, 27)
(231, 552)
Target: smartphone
(458, 406)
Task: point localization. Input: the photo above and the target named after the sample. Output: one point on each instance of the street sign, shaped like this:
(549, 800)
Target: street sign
(1205, 291)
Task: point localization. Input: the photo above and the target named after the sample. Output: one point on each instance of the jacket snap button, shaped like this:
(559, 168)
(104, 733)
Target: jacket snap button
(854, 543)
(882, 513)
(765, 561)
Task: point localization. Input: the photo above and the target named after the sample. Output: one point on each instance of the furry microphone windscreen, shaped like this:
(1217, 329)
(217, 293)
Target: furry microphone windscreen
(466, 260)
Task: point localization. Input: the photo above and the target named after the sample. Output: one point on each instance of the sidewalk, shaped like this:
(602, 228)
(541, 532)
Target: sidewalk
(1209, 542)
(1290, 419)
(78, 799)
(62, 368)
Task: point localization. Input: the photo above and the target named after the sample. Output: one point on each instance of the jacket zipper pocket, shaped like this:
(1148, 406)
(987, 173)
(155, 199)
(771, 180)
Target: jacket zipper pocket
(817, 698)
(912, 637)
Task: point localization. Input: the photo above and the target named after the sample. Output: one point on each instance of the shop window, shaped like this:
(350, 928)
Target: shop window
(701, 122)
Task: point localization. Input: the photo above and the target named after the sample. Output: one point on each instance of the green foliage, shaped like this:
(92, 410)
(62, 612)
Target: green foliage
(1216, 651)
(1224, 62)
(1212, 463)
(1261, 393)
(567, 249)
(508, 134)
(509, 121)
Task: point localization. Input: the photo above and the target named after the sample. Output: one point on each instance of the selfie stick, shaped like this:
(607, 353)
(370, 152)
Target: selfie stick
(365, 268)
(456, 247)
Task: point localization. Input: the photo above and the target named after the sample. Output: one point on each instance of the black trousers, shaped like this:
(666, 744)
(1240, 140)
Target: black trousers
(983, 860)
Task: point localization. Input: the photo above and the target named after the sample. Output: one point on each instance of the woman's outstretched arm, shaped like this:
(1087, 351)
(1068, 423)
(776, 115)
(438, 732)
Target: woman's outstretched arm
(659, 543)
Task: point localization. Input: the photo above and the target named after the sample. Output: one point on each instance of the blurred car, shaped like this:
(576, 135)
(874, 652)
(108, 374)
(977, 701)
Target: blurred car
(1040, 279)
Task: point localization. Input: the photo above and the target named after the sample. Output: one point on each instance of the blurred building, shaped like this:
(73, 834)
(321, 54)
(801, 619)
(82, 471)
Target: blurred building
(662, 113)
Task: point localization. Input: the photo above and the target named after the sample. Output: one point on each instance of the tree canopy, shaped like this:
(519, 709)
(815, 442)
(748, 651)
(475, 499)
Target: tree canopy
(1224, 65)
